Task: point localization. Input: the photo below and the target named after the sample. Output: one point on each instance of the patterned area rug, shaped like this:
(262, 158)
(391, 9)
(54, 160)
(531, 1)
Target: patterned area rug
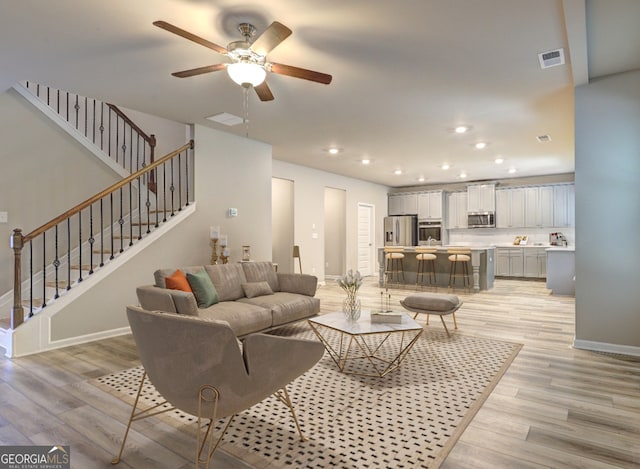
(410, 418)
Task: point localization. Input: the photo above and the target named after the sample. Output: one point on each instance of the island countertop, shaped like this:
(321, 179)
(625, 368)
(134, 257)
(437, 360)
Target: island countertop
(482, 265)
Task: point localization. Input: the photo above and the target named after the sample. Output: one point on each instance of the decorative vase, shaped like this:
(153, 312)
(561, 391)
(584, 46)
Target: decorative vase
(351, 307)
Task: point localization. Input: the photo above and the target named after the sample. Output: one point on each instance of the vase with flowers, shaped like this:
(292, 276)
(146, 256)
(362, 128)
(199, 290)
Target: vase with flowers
(351, 283)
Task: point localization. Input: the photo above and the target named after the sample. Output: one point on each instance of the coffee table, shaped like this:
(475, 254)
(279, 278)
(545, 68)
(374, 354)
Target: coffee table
(382, 345)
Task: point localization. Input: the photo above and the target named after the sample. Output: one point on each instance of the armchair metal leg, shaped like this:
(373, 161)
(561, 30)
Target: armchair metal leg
(208, 396)
(283, 396)
(139, 416)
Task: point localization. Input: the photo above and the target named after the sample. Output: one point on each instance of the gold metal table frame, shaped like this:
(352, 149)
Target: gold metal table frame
(363, 340)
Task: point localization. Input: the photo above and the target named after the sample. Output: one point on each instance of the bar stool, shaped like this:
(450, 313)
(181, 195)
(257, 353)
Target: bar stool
(459, 256)
(393, 263)
(426, 257)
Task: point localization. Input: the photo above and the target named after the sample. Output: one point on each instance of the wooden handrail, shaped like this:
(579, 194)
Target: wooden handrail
(107, 191)
(150, 139)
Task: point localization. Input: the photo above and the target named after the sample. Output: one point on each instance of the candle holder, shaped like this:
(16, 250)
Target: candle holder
(214, 253)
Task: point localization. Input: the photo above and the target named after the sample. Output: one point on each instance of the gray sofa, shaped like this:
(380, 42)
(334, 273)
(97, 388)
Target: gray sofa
(242, 300)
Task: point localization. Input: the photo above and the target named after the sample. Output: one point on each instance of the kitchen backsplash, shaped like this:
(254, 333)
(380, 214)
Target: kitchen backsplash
(495, 236)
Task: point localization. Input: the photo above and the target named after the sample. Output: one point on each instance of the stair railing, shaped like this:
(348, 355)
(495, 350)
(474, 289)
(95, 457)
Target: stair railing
(95, 229)
(104, 124)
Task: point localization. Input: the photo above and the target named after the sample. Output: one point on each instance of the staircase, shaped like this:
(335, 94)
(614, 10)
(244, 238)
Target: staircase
(54, 261)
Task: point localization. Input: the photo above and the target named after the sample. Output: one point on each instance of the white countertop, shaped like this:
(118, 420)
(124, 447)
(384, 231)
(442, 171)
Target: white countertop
(473, 247)
(561, 249)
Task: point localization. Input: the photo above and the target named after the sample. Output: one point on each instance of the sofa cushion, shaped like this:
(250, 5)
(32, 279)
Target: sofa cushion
(243, 318)
(303, 284)
(178, 281)
(160, 274)
(203, 289)
(286, 307)
(261, 271)
(253, 289)
(228, 280)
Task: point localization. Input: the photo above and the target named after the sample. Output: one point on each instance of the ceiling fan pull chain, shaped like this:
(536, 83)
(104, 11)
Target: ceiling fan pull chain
(245, 106)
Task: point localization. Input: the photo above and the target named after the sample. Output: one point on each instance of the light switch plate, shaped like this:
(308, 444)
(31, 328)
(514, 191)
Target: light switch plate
(4, 217)
(233, 212)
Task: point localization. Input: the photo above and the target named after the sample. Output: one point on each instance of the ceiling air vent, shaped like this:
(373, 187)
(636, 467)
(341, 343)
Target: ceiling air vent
(543, 138)
(551, 58)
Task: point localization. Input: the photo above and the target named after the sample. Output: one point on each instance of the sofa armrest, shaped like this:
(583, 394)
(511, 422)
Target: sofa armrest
(154, 298)
(298, 283)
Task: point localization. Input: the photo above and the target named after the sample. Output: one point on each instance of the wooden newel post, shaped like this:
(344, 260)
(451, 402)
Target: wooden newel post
(17, 311)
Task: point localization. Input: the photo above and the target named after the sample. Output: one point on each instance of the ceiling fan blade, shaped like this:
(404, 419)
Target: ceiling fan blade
(263, 92)
(187, 35)
(270, 38)
(199, 70)
(300, 73)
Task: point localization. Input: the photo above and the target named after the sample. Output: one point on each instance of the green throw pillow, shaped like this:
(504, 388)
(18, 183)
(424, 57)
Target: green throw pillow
(203, 289)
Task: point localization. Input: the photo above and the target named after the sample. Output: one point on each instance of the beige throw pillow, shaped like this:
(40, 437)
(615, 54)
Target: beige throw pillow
(253, 289)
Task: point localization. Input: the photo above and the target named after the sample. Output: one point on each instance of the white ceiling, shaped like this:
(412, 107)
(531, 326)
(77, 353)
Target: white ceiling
(404, 74)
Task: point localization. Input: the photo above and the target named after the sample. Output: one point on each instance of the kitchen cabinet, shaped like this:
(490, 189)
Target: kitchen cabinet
(403, 204)
(430, 205)
(535, 262)
(457, 210)
(538, 206)
(510, 208)
(564, 202)
(509, 262)
(481, 198)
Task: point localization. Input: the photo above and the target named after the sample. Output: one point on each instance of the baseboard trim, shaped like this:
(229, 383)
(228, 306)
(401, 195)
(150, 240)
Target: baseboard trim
(605, 347)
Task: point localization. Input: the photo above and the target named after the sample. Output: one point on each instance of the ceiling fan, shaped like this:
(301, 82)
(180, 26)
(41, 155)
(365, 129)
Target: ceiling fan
(249, 65)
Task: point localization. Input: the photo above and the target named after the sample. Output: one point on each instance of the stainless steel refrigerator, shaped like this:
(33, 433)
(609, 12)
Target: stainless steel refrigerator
(401, 230)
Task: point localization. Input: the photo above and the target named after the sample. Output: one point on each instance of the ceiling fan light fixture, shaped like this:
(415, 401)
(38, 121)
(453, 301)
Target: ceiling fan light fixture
(246, 73)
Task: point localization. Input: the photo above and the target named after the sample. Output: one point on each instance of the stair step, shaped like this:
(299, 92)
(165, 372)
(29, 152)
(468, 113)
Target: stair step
(61, 284)
(77, 267)
(5, 323)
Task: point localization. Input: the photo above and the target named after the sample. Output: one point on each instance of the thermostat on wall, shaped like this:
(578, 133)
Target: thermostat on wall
(233, 212)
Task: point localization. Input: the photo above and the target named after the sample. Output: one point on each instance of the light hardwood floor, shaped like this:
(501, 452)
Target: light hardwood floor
(555, 407)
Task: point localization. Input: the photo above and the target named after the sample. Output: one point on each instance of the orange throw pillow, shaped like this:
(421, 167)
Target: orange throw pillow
(178, 281)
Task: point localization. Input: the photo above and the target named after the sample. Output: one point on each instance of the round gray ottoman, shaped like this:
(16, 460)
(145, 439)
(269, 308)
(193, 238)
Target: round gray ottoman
(433, 303)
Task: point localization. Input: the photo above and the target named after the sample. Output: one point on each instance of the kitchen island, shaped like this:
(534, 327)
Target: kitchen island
(561, 270)
(481, 273)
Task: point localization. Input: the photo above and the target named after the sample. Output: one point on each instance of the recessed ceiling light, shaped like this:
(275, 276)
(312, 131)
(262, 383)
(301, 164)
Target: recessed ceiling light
(445, 166)
(421, 179)
(463, 175)
(397, 172)
(461, 129)
(481, 145)
(499, 160)
(366, 161)
(512, 170)
(333, 151)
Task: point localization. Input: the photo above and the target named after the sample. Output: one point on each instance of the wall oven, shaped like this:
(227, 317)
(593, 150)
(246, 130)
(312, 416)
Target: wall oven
(481, 220)
(429, 232)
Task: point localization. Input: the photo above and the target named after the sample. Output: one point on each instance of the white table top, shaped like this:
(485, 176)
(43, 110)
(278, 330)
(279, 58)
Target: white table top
(364, 325)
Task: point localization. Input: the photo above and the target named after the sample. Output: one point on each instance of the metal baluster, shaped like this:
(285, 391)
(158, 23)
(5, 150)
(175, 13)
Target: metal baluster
(30, 278)
(68, 253)
(77, 108)
(130, 214)
(179, 181)
(80, 244)
(111, 225)
(101, 232)
(44, 269)
(109, 133)
(101, 126)
(56, 263)
(121, 222)
(91, 239)
(131, 151)
(155, 172)
(172, 188)
(58, 101)
(86, 109)
(164, 191)
(187, 175)
(93, 122)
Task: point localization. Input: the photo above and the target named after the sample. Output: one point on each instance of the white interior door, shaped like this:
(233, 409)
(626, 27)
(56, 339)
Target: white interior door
(282, 227)
(366, 238)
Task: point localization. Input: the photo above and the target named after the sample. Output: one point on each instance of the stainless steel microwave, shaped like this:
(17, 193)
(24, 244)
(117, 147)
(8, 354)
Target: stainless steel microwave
(481, 220)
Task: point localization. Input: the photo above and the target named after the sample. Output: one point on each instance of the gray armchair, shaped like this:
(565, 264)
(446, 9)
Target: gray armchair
(198, 367)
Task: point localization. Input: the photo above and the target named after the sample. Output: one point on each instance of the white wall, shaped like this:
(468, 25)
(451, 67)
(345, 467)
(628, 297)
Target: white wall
(608, 212)
(309, 211)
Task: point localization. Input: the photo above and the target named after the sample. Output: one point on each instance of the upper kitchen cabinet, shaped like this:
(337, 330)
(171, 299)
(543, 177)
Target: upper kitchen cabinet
(510, 208)
(538, 207)
(481, 198)
(430, 205)
(457, 210)
(564, 204)
(403, 204)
